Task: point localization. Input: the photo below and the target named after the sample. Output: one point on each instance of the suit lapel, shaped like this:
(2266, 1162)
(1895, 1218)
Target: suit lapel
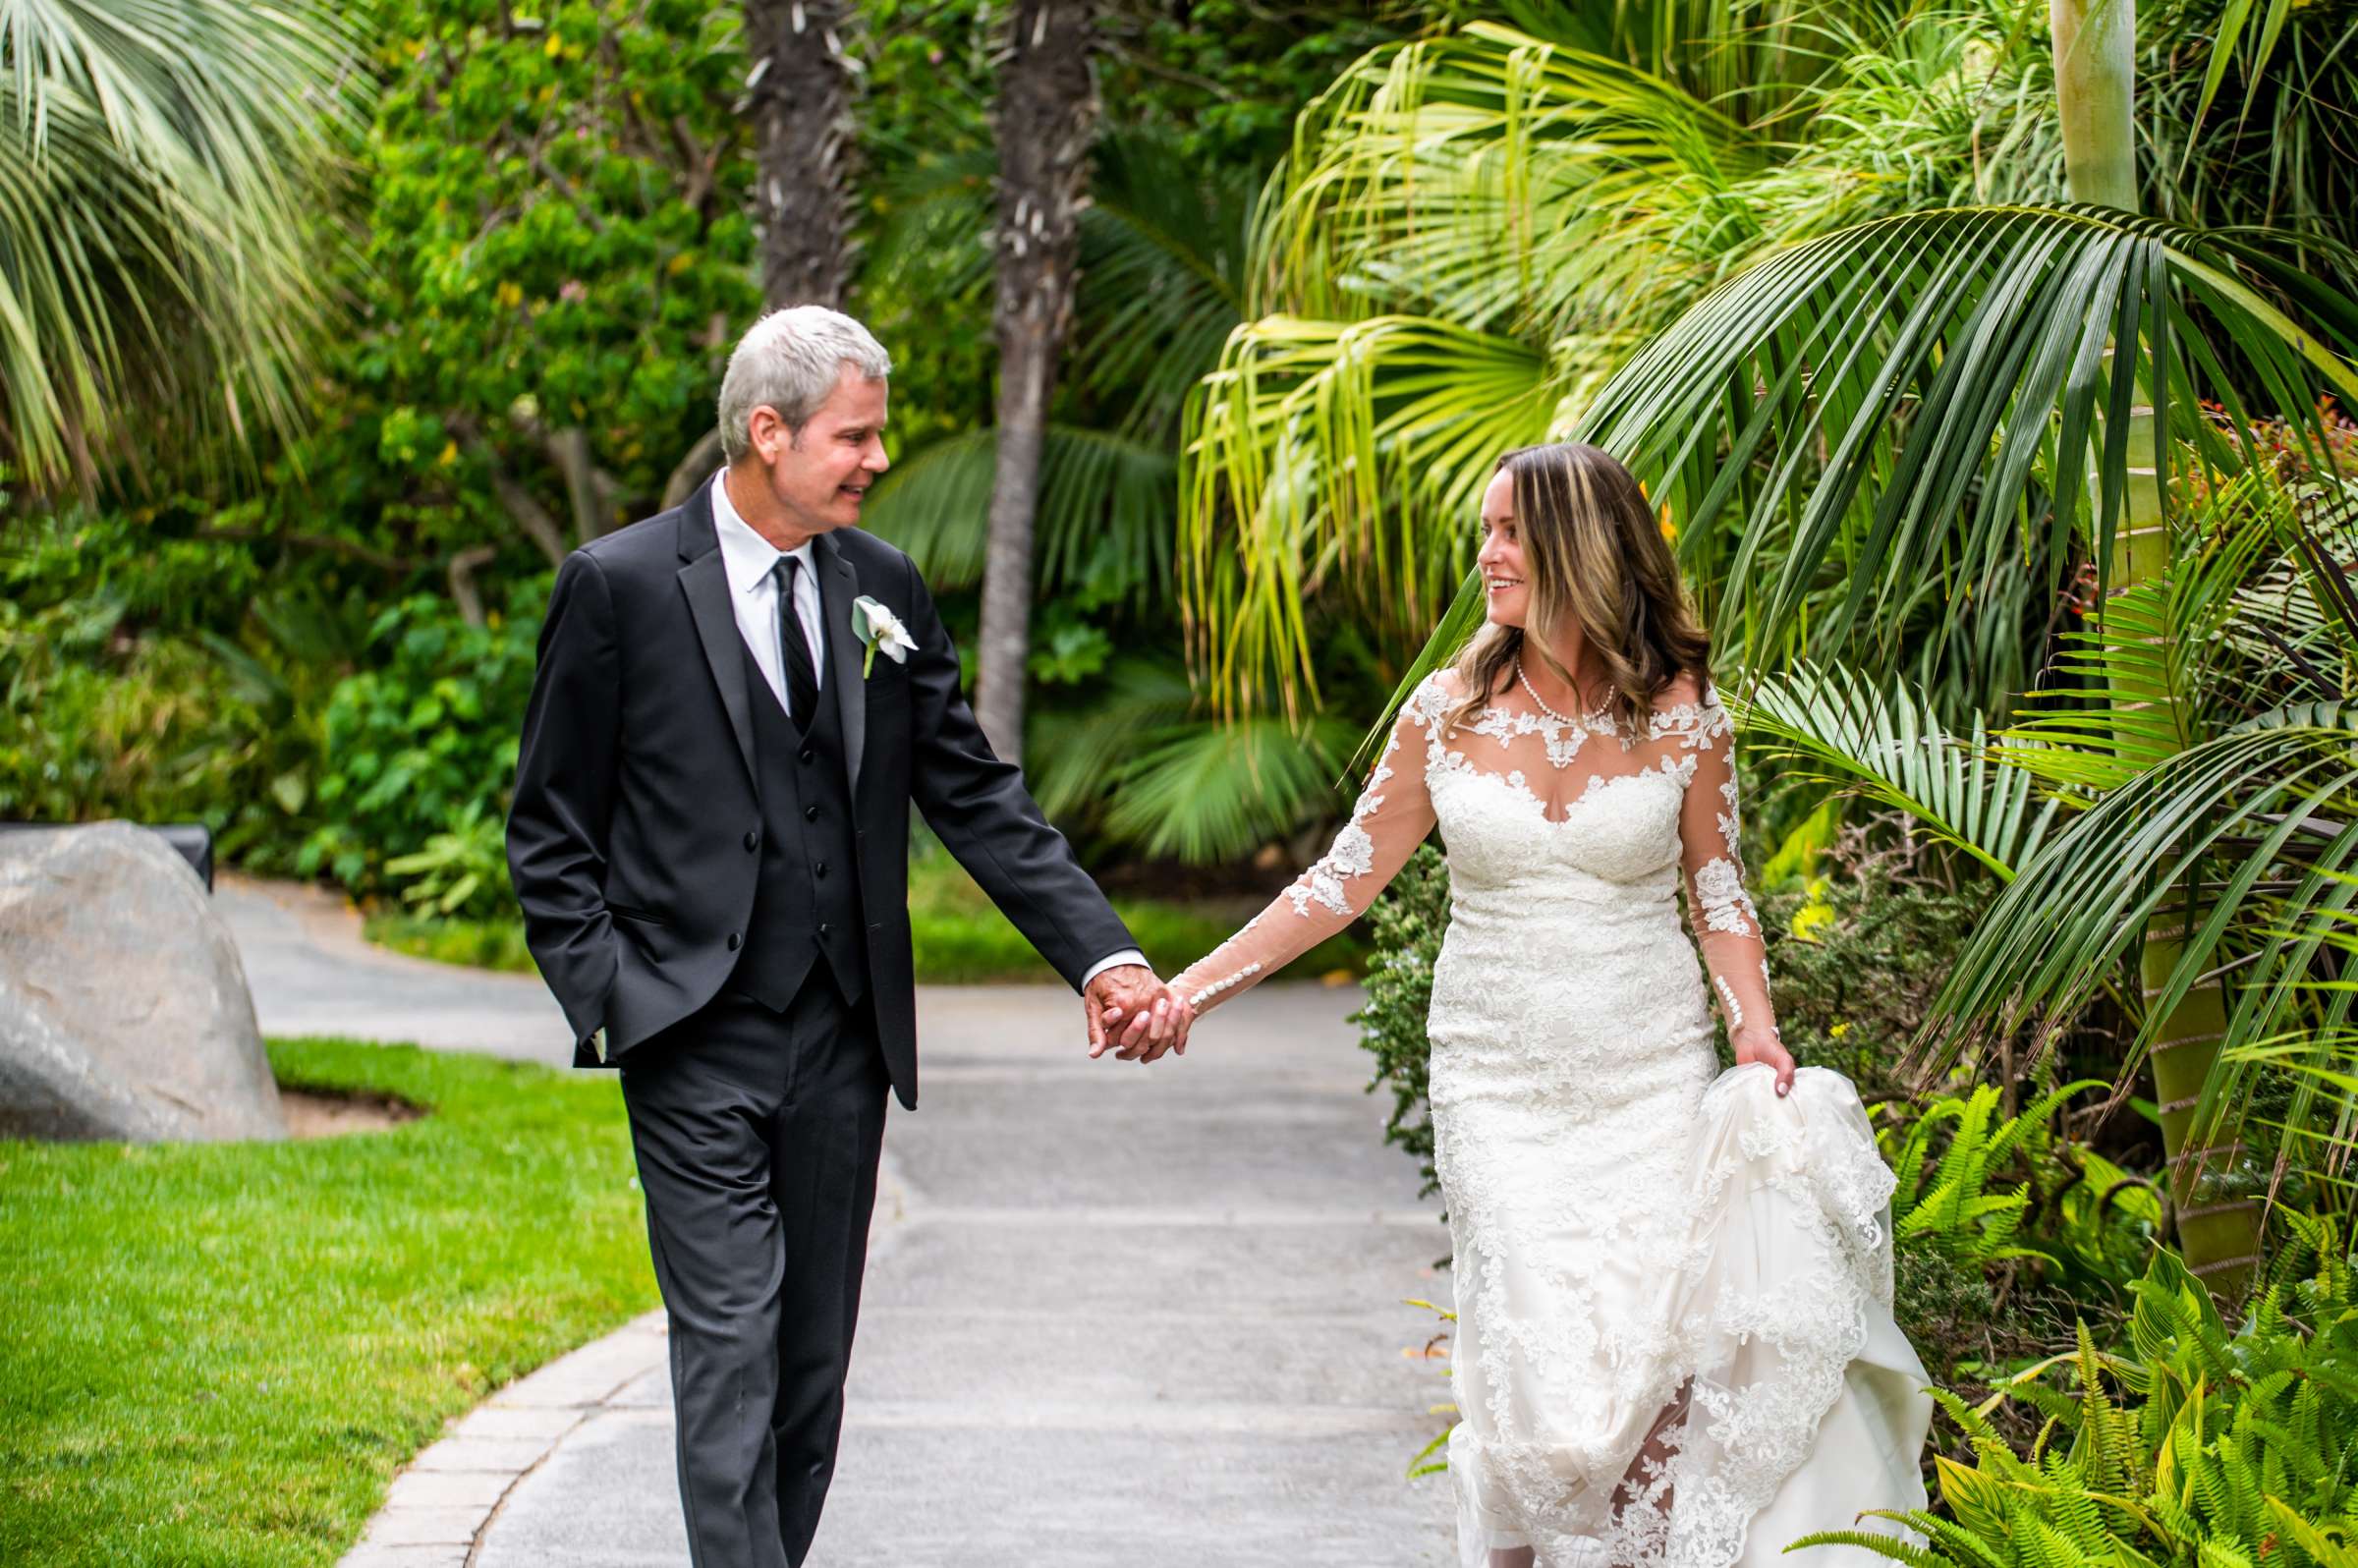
(838, 586)
(706, 581)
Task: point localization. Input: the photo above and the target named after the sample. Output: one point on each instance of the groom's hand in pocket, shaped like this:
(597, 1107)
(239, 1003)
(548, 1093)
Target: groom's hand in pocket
(1156, 1020)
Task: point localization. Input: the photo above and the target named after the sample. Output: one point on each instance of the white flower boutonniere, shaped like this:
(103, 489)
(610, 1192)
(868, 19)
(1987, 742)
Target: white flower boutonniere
(878, 627)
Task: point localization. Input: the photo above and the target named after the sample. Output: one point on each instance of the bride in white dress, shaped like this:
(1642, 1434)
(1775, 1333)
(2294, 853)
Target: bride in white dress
(1674, 1337)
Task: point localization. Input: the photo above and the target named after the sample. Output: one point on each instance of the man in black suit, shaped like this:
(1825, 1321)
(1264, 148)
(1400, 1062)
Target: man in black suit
(736, 702)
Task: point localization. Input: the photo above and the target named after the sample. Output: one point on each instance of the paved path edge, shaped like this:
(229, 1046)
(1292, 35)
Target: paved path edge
(443, 1503)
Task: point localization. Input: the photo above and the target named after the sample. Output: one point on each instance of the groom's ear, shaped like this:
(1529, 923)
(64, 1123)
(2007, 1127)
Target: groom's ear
(764, 429)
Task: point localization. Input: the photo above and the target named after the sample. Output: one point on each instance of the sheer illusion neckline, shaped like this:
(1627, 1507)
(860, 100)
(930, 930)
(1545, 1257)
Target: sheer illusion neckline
(1523, 745)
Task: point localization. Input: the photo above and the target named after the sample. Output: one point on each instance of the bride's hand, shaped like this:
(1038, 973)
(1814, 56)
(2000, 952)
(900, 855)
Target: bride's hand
(1152, 1031)
(1762, 1045)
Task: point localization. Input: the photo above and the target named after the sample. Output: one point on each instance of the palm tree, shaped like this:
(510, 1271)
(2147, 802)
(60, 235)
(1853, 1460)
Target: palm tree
(1047, 117)
(160, 165)
(1161, 261)
(799, 93)
(1475, 232)
(1885, 430)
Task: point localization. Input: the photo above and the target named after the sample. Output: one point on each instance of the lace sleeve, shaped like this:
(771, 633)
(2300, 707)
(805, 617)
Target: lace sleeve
(1726, 925)
(1393, 814)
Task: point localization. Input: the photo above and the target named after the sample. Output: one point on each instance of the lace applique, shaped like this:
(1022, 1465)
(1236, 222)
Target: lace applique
(1694, 725)
(1562, 741)
(1731, 828)
(1727, 993)
(1719, 893)
(1351, 854)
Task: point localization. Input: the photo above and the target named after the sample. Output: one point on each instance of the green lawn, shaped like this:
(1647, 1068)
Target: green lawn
(217, 1354)
(960, 936)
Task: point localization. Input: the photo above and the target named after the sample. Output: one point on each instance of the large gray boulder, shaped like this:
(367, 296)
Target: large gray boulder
(124, 1012)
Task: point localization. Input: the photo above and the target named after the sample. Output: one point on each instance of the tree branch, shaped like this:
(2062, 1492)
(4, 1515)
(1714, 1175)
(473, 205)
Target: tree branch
(567, 190)
(462, 568)
(529, 515)
(696, 466)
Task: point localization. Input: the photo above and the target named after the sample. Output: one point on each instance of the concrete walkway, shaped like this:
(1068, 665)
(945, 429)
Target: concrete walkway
(1114, 1314)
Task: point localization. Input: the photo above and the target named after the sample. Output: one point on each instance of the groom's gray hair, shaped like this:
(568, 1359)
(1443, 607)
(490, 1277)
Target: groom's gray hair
(791, 360)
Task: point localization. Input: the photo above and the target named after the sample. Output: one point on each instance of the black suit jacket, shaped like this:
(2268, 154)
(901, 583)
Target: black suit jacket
(635, 787)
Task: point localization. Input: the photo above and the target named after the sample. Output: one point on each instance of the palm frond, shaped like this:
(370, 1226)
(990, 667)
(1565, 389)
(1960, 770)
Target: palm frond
(1204, 792)
(162, 163)
(1104, 519)
(1162, 259)
(2149, 667)
(1865, 408)
(1506, 184)
(1889, 746)
(1075, 755)
(2271, 795)
(1320, 446)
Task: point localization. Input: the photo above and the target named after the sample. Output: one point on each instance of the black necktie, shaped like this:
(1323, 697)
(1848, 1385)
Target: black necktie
(802, 680)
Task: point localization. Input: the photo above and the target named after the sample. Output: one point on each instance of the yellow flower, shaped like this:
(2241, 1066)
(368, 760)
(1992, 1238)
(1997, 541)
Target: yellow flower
(1837, 1031)
(450, 455)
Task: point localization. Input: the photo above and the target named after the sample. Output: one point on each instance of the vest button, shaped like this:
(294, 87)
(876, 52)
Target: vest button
(806, 754)
(753, 840)
(733, 939)
(820, 870)
(810, 814)
(825, 927)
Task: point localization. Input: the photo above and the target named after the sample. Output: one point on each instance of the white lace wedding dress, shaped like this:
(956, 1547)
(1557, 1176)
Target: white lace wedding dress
(1674, 1339)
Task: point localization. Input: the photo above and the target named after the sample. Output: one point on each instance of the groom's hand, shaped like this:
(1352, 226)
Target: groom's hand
(1158, 1020)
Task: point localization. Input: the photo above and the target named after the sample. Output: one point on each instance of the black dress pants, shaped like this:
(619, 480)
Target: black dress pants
(757, 1134)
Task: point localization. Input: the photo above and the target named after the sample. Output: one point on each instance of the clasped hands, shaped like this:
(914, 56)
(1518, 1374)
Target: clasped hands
(1135, 1015)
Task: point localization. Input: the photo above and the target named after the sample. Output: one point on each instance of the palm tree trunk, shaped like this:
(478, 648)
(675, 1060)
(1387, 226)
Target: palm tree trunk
(799, 89)
(2095, 82)
(799, 94)
(1047, 118)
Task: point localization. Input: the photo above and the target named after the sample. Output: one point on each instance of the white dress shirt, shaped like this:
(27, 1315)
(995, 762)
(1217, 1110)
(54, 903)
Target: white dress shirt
(750, 562)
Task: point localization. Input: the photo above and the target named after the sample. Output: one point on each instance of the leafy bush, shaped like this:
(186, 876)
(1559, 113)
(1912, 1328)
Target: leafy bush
(417, 746)
(1407, 923)
(2195, 1444)
(2002, 1228)
(1856, 958)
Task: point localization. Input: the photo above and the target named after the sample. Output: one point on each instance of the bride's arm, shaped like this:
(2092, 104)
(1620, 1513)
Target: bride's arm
(1726, 927)
(1393, 814)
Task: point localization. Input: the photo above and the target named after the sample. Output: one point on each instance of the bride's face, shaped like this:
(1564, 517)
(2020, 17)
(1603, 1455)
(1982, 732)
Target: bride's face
(1505, 587)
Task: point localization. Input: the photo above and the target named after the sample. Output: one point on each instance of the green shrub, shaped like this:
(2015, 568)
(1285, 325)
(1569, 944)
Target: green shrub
(2003, 1229)
(1406, 925)
(160, 677)
(2193, 1443)
(1855, 959)
(421, 752)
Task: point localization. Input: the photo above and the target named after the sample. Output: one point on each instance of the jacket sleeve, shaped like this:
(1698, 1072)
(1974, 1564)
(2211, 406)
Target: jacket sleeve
(978, 806)
(1393, 814)
(565, 768)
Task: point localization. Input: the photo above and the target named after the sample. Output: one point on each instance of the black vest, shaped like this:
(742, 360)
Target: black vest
(806, 904)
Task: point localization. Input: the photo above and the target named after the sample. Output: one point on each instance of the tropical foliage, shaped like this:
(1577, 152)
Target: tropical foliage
(2196, 1442)
(1501, 235)
(160, 293)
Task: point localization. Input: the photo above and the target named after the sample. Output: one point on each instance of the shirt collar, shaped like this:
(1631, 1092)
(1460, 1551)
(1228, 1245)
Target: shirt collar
(746, 556)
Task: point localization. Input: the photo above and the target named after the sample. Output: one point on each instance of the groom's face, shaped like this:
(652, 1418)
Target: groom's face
(821, 476)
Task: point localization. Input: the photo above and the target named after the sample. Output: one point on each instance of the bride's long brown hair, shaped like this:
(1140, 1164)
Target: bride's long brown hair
(1593, 557)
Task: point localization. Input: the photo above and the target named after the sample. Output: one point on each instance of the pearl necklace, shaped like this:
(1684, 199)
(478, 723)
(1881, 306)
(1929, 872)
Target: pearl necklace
(1524, 681)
